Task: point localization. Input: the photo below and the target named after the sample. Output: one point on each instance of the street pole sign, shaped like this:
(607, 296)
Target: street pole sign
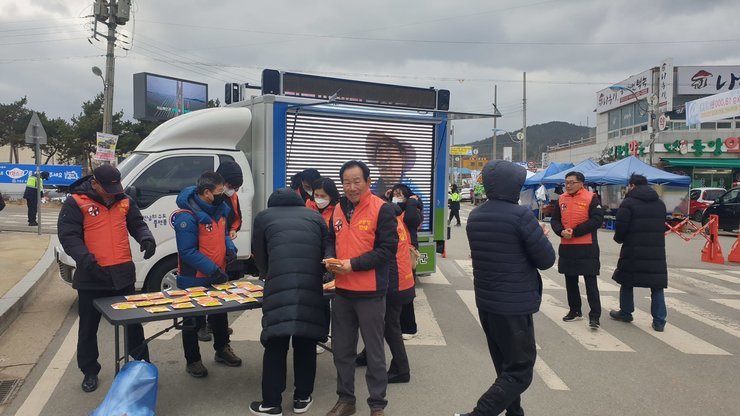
(35, 134)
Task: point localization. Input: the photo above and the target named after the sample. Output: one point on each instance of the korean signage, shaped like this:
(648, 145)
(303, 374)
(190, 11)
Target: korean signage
(633, 148)
(58, 175)
(707, 80)
(641, 84)
(700, 147)
(665, 86)
(713, 108)
(106, 147)
(461, 150)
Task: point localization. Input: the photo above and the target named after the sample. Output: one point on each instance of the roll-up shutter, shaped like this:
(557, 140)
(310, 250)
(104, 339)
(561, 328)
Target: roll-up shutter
(396, 151)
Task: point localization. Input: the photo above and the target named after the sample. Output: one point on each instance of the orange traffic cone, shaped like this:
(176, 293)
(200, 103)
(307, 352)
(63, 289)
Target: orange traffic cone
(712, 251)
(735, 251)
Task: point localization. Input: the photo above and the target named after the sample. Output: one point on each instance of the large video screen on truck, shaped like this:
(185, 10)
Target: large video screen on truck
(395, 151)
(159, 98)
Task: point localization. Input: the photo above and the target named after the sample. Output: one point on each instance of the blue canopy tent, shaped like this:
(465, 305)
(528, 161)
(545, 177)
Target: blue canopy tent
(535, 180)
(618, 173)
(559, 178)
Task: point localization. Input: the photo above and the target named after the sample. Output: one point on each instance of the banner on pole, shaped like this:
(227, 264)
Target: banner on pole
(58, 174)
(106, 146)
(715, 107)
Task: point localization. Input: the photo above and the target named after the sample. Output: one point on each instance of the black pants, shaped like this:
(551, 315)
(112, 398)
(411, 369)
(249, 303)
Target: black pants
(454, 213)
(87, 339)
(408, 319)
(592, 294)
(220, 324)
(394, 339)
(33, 204)
(512, 346)
(274, 369)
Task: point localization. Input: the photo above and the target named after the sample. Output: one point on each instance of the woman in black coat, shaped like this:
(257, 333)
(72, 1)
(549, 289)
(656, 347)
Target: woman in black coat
(640, 228)
(288, 245)
(410, 206)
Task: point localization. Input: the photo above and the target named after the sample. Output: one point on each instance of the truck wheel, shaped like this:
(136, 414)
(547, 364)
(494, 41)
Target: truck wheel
(163, 276)
(697, 215)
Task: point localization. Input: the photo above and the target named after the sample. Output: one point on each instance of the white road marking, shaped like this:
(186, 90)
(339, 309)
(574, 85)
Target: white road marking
(701, 284)
(673, 335)
(549, 284)
(548, 376)
(467, 266)
(611, 269)
(733, 303)
(429, 332)
(42, 391)
(733, 271)
(436, 278)
(592, 340)
(714, 274)
(705, 316)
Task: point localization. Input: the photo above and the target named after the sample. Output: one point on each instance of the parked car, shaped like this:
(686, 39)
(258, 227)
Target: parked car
(700, 199)
(727, 208)
(466, 194)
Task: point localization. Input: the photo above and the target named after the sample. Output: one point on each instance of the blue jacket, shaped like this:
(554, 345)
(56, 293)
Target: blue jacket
(186, 233)
(507, 245)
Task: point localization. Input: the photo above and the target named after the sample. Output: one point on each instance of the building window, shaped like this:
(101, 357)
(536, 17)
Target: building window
(724, 125)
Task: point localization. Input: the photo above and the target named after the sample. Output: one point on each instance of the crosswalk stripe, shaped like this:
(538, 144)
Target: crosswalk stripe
(733, 271)
(467, 266)
(611, 270)
(592, 340)
(548, 376)
(436, 278)
(549, 284)
(673, 336)
(429, 332)
(705, 316)
(733, 303)
(701, 284)
(716, 275)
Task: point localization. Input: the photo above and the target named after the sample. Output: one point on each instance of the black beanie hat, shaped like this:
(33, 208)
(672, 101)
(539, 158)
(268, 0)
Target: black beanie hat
(231, 172)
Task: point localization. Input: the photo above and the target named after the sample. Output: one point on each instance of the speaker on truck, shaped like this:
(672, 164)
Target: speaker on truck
(271, 82)
(443, 100)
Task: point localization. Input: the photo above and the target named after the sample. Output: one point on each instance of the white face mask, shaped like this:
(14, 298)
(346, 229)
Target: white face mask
(397, 200)
(321, 202)
(229, 192)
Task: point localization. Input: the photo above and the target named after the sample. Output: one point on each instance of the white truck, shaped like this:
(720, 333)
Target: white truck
(272, 137)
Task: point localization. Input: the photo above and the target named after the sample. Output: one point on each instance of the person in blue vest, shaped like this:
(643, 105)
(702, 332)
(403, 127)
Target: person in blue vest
(204, 249)
(32, 197)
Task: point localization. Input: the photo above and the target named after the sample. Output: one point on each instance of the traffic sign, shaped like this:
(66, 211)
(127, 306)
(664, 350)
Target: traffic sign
(35, 131)
(663, 122)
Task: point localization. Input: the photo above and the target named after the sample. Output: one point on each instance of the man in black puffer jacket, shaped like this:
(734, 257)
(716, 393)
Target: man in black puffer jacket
(640, 229)
(288, 245)
(507, 245)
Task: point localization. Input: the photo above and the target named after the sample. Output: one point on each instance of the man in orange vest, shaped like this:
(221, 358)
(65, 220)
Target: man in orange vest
(576, 219)
(94, 225)
(364, 239)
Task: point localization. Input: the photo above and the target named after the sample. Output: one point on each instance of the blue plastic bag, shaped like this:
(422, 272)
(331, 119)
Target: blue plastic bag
(133, 392)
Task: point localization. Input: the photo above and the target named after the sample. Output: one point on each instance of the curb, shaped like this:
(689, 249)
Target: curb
(12, 303)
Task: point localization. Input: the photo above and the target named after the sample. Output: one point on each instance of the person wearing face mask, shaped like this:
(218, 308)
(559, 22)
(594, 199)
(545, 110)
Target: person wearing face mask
(204, 249)
(94, 225)
(411, 209)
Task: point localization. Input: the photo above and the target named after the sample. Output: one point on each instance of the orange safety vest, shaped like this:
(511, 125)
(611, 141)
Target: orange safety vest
(573, 212)
(403, 256)
(104, 230)
(235, 207)
(211, 243)
(326, 213)
(356, 238)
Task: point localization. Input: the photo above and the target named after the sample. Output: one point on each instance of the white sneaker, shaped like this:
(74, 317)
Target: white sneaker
(407, 337)
(320, 349)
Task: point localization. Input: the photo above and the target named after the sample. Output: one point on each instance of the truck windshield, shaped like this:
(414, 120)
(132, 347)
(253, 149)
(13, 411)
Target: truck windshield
(130, 163)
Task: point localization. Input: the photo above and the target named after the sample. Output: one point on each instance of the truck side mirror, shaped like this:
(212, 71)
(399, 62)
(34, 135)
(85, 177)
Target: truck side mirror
(719, 200)
(131, 192)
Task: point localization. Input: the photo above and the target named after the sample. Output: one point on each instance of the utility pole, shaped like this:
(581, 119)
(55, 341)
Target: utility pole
(524, 120)
(495, 109)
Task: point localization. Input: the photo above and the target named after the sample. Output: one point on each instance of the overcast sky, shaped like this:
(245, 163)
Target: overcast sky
(570, 49)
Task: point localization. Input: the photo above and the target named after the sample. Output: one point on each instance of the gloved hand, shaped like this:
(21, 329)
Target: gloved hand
(219, 275)
(148, 247)
(90, 265)
(230, 256)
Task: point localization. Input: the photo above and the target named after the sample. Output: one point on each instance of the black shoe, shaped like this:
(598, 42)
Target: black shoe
(593, 323)
(572, 316)
(33, 224)
(619, 316)
(658, 328)
(203, 334)
(227, 356)
(398, 378)
(457, 225)
(361, 360)
(256, 408)
(301, 406)
(197, 369)
(90, 383)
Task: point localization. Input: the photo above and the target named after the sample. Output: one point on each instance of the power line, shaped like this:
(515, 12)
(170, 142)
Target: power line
(56, 58)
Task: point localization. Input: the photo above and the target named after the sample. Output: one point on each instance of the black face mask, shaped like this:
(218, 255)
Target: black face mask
(218, 199)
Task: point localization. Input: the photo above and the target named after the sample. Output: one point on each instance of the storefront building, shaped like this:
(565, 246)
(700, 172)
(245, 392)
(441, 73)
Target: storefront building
(649, 108)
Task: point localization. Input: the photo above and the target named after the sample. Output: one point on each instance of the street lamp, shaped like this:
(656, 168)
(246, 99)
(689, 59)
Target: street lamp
(651, 116)
(493, 149)
(107, 103)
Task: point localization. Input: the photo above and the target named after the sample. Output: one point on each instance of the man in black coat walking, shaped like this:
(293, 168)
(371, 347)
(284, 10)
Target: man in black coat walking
(508, 246)
(576, 219)
(640, 229)
(288, 245)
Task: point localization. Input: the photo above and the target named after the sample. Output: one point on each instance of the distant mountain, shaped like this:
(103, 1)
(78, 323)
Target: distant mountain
(539, 137)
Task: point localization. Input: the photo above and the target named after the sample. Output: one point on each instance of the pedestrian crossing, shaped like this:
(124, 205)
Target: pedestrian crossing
(48, 220)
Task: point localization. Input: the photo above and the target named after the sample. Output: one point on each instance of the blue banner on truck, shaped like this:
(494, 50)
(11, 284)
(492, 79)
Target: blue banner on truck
(58, 174)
